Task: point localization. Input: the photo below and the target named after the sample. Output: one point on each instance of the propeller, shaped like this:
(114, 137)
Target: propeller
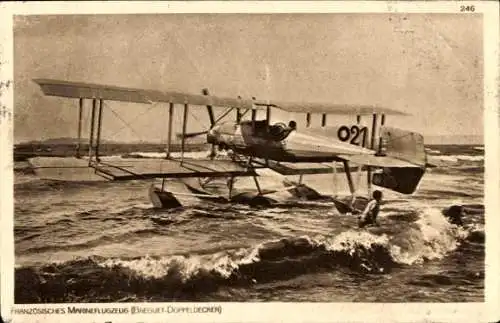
(191, 134)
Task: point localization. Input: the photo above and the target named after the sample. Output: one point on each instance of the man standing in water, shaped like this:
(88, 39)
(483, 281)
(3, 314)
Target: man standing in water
(369, 215)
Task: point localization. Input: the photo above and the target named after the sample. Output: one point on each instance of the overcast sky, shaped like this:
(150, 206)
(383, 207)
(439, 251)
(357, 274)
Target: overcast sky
(427, 65)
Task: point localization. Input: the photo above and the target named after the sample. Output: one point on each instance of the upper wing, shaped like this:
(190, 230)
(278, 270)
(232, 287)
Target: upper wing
(327, 108)
(115, 93)
(108, 92)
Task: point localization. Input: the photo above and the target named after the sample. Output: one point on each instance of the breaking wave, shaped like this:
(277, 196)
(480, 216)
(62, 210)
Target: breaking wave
(430, 237)
(185, 276)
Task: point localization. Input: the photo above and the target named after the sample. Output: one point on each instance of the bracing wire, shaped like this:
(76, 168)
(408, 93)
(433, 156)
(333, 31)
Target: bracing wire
(399, 137)
(126, 124)
(196, 118)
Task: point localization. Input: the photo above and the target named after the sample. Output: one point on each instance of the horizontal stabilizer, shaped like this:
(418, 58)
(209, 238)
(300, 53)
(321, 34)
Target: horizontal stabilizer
(378, 161)
(289, 169)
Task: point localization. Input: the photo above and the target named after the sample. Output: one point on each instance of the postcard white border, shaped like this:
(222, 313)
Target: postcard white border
(263, 312)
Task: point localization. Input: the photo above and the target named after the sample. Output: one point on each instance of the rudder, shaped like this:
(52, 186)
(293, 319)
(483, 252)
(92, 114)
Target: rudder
(404, 145)
(400, 179)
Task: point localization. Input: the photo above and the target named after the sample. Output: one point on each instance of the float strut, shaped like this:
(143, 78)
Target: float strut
(257, 185)
(349, 177)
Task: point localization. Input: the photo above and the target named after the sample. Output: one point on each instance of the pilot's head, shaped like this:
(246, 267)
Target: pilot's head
(292, 124)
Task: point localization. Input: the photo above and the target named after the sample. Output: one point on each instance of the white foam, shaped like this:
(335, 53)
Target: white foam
(457, 158)
(348, 240)
(432, 238)
(470, 158)
(432, 151)
(183, 267)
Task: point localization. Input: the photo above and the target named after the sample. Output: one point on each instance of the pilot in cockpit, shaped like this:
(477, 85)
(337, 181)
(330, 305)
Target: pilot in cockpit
(280, 131)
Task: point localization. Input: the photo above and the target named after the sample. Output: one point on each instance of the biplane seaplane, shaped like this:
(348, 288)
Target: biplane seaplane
(393, 158)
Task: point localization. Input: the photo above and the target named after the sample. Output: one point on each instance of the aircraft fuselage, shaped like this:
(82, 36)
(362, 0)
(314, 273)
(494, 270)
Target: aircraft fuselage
(275, 142)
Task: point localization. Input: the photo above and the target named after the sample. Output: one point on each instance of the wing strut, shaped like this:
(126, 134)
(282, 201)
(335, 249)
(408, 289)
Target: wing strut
(80, 112)
(99, 126)
(380, 149)
(372, 146)
(209, 109)
(170, 123)
(184, 125)
(92, 123)
(238, 115)
(254, 115)
(238, 112)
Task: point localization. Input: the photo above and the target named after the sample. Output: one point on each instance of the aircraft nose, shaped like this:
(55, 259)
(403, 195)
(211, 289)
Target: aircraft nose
(212, 135)
(214, 130)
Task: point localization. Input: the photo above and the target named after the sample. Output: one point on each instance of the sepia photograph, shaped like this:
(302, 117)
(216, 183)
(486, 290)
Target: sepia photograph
(232, 157)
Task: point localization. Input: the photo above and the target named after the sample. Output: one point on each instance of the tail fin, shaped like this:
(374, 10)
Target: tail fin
(407, 146)
(403, 144)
